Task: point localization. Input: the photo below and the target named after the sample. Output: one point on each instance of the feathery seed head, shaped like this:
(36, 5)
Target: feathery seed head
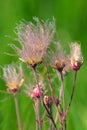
(34, 40)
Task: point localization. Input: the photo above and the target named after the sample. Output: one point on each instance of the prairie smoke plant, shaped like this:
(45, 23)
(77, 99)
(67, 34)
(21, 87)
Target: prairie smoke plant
(34, 40)
(13, 76)
(76, 56)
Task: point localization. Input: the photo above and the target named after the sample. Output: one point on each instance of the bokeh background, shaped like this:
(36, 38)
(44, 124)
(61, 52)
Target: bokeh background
(71, 23)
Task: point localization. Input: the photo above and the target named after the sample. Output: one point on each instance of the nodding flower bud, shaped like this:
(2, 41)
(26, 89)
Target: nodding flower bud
(13, 75)
(37, 91)
(59, 62)
(47, 101)
(59, 59)
(76, 56)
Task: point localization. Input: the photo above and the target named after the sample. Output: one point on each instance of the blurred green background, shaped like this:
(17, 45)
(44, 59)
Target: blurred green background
(71, 22)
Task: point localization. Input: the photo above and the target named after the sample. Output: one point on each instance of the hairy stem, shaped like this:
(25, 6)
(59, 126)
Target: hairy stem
(49, 112)
(62, 95)
(57, 115)
(37, 102)
(50, 122)
(35, 75)
(17, 113)
(50, 87)
(48, 77)
(53, 98)
(37, 114)
(61, 126)
(49, 81)
(63, 91)
(72, 94)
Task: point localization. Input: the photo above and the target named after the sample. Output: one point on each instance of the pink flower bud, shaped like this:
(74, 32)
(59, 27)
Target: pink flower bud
(76, 56)
(37, 91)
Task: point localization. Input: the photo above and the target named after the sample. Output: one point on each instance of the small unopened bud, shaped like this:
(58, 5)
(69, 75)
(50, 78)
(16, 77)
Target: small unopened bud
(76, 56)
(36, 93)
(47, 101)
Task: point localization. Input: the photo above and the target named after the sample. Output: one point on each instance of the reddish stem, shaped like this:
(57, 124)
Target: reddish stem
(72, 94)
(37, 101)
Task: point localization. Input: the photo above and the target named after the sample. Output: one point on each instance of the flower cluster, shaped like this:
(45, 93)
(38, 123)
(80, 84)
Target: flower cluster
(35, 40)
(64, 63)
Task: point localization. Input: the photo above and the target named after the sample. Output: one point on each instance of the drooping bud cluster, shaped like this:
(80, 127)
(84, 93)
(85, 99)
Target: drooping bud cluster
(13, 75)
(64, 63)
(37, 91)
(76, 56)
